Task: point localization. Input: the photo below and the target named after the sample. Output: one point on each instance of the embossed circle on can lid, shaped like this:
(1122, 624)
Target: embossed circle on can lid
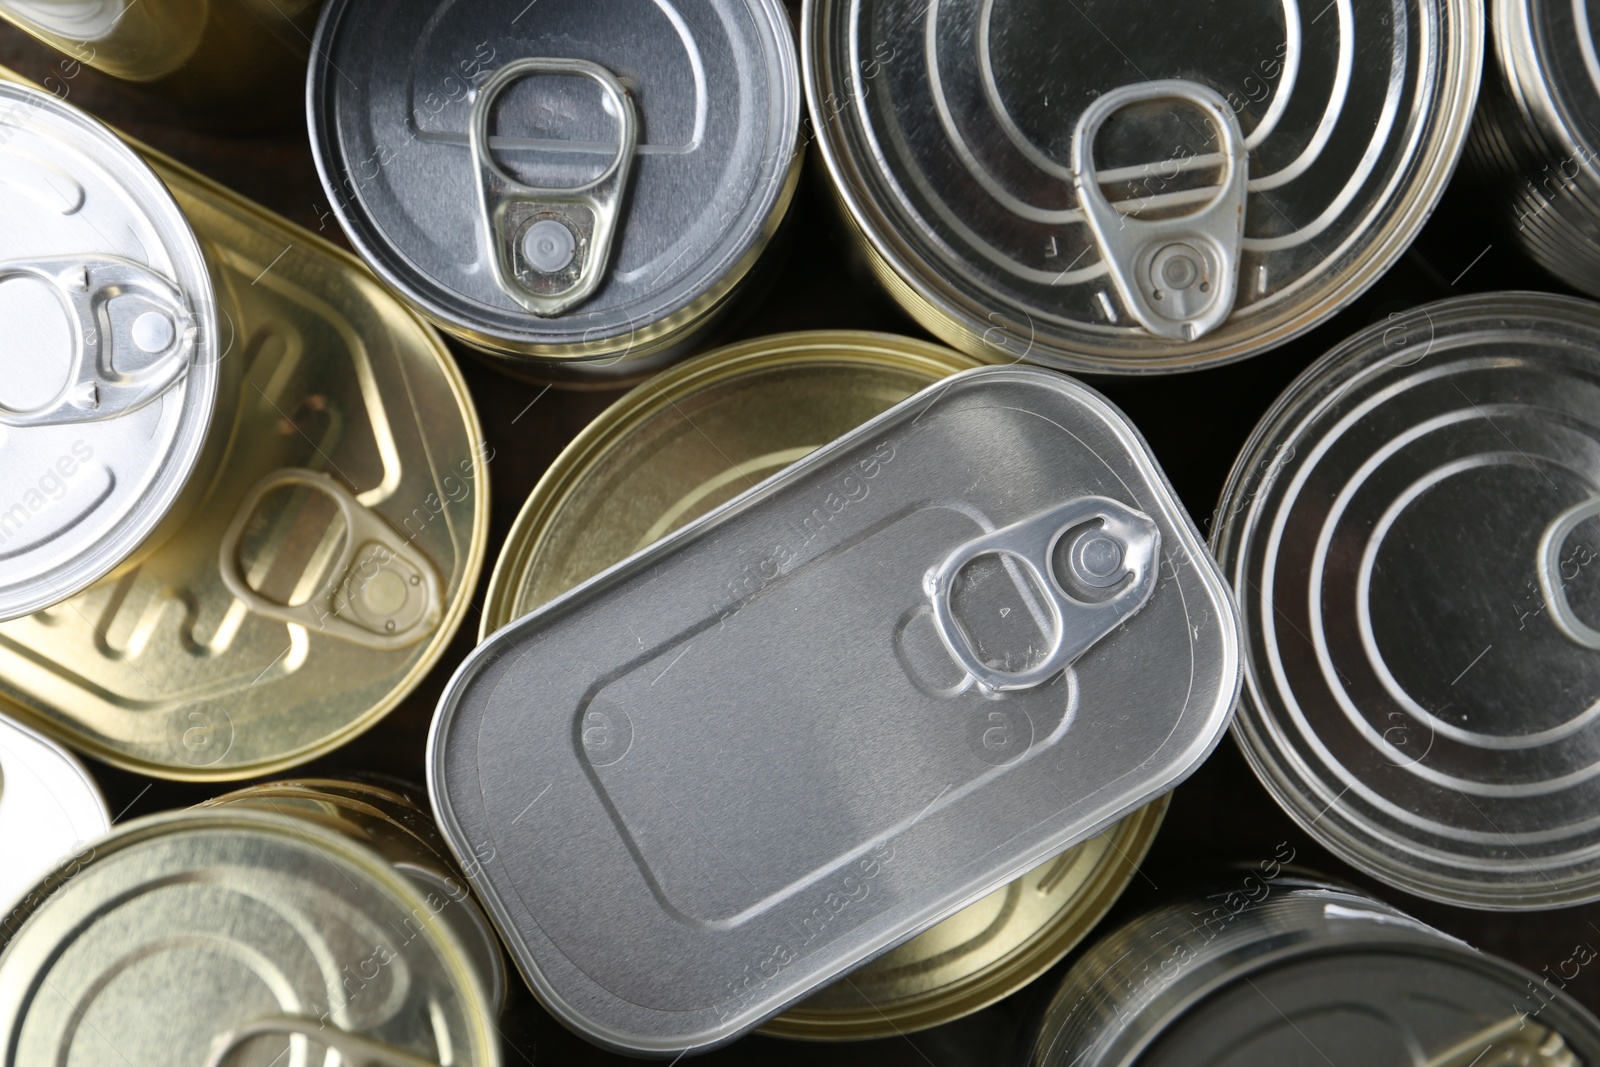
(108, 358)
(1067, 185)
(1413, 534)
(273, 933)
(571, 181)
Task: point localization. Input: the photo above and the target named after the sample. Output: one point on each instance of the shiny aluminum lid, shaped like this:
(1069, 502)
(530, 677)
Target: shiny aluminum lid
(1114, 189)
(222, 937)
(49, 809)
(1412, 535)
(882, 683)
(108, 356)
(568, 180)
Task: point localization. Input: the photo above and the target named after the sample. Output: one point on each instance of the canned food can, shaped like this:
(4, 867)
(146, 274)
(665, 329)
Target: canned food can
(1411, 534)
(327, 428)
(1533, 146)
(1283, 970)
(575, 189)
(49, 809)
(231, 934)
(240, 56)
(1112, 191)
(904, 671)
(690, 439)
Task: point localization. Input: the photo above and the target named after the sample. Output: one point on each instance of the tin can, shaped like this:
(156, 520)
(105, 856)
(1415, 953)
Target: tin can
(829, 714)
(49, 809)
(242, 57)
(1284, 970)
(1533, 146)
(1113, 191)
(576, 190)
(688, 440)
(232, 934)
(326, 427)
(1411, 533)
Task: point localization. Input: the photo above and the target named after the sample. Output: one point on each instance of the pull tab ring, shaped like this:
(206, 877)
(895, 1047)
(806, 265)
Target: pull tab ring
(1178, 276)
(1115, 550)
(382, 592)
(353, 1049)
(549, 247)
(132, 332)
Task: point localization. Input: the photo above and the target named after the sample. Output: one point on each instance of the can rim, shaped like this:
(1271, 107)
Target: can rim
(1273, 767)
(388, 262)
(967, 324)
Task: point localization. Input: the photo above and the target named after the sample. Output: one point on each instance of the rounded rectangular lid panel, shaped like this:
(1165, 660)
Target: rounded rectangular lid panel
(741, 762)
(108, 356)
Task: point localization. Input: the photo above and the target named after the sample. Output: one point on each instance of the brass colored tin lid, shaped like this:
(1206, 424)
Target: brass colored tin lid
(333, 559)
(209, 937)
(694, 437)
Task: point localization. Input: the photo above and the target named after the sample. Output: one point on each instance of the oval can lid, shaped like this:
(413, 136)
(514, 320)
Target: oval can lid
(108, 360)
(49, 808)
(1412, 532)
(835, 710)
(269, 930)
(1071, 183)
(706, 91)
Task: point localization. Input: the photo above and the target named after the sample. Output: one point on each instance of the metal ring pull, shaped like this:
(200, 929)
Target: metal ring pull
(1553, 585)
(353, 1050)
(382, 592)
(1178, 276)
(550, 247)
(132, 332)
(1115, 550)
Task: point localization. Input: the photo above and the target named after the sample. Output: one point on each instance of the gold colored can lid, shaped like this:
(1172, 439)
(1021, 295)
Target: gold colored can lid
(693, 438)
(235, 936)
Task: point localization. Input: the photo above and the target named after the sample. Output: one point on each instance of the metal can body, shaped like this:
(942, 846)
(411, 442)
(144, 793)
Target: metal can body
(577, 189)
(278, 934)
(343, 527)
(1111, 191)
(236, 56)
(1409, 530)
(1533, 144)
(688, 440)
(49, 809)
(1276, 969)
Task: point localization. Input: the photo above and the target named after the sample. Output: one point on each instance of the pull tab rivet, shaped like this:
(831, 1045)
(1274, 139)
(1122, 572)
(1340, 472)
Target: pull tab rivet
(548, 246)
(153, 332)
(1098, 561)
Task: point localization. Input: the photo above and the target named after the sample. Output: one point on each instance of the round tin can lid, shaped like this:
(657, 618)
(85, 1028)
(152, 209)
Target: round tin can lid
(692, 438)
(1306, 974)
(1104, 190)
(108, 360)
(572, 181)
(272, 933)
(49, 808)
(1412, 535)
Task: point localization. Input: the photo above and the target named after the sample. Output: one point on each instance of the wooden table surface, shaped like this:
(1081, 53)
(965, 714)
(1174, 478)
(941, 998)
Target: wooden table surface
(1195, 422)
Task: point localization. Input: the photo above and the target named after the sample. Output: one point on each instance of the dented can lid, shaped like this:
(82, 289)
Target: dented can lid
(913, 665)
(574, 181)
(109, 357)
(272, 932)
(1412, 535)
(1119, 191)
(49, 809)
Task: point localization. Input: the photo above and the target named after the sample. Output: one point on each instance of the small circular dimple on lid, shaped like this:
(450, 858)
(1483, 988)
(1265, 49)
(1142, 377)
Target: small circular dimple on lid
(1413, 533)
(108, 365)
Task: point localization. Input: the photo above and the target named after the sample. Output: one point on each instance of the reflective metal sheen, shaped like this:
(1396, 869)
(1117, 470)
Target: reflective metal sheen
(1127, 189)
(576, 186)
(1412, 535)
(738, 764)
(109, 369)
(49, 809)
(1284, 971)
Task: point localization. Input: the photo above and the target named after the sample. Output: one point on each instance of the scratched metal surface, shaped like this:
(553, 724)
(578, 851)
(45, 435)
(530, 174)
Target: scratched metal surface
(1195, 423)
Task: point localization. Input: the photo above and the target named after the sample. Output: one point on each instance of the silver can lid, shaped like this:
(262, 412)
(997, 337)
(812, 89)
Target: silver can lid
(49, 809)
(1412, 535)
(893, 677)
(1111, 190)
(567, 181)
(108, 355)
